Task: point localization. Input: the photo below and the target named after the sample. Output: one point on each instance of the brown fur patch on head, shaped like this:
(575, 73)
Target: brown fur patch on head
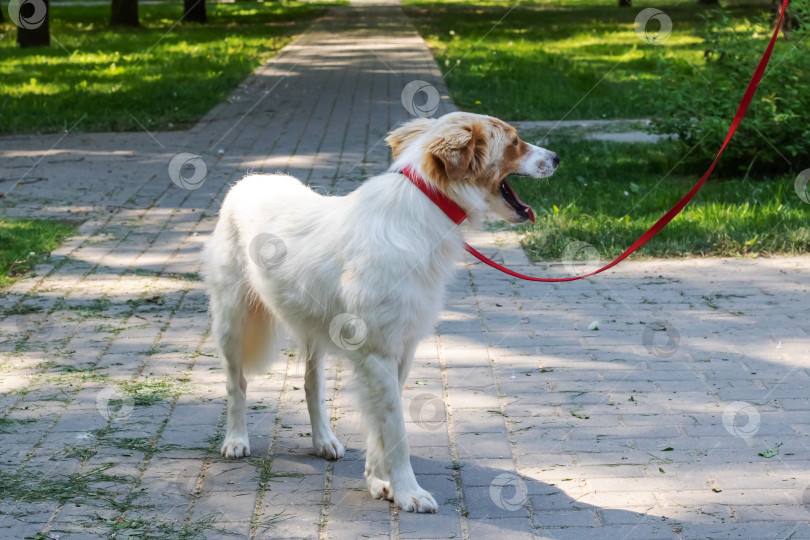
(456, 149)
(464, 150)
(463, 147)
(406, 134)
(514, 149)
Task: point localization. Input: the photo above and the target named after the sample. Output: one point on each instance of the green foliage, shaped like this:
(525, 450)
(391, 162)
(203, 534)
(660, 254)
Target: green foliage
(775, 135)
(572, 59)
(592, 198)
(164, 75)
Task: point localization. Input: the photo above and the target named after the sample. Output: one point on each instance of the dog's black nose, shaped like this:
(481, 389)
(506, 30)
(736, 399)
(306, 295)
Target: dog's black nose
(555, 159)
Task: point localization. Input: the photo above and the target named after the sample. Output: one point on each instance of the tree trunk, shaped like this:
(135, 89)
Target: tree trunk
(625, 3)
(124, 13)
(194, 11)
(31, 18)
(789, 23)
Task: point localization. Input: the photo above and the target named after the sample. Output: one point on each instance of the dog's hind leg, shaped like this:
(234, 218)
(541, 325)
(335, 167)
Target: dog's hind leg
(242, 327)
(323, 440)
(246, 333)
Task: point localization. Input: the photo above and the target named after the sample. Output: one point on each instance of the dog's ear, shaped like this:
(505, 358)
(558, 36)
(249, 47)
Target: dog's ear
(451, 153)
(403, 136)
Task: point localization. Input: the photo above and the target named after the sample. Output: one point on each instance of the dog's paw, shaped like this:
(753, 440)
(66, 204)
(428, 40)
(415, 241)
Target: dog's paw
(236, 447)
(417, 500)
(327, 446)
(380, 489)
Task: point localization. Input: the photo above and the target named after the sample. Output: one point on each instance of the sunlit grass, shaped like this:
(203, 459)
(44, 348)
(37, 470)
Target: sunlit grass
(582, 59)
(607, 194)
(538, 60)
(164, 75)
(25, 242)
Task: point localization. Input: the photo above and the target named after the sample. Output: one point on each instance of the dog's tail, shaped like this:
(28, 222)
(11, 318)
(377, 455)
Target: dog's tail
(259, 338)
(243, 328)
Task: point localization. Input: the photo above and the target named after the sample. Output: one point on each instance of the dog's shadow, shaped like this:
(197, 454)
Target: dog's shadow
(499, 503)
(495, 502)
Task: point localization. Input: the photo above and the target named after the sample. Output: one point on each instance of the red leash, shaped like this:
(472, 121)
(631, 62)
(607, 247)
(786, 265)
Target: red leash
(457, 214)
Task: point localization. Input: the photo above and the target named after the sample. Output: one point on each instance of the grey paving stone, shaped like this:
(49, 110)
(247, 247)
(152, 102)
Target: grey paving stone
(446, 523)
(336, 528)
(513, 528)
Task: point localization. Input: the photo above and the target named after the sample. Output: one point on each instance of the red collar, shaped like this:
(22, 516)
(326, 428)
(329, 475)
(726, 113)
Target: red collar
(445, 203)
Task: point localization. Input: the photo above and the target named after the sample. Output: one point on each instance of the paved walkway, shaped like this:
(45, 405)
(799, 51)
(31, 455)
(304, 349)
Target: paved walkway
(600, 130)
(684, 415)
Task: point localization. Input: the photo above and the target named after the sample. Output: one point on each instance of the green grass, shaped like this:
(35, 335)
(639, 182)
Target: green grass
(34, 487)
(25, 242)
(607, 194)
(537, 61)
(151, 391)
(99, 490)
(10, 425)
(81, 452)
(581, 59)
(161, 76)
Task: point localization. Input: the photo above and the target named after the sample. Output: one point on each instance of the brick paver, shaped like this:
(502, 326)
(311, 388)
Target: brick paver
(684, 415)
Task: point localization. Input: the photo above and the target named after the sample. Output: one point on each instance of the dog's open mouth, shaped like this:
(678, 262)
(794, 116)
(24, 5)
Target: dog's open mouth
(523, 210)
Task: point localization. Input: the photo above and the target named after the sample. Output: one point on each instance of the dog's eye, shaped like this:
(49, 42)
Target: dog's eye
(515, 142)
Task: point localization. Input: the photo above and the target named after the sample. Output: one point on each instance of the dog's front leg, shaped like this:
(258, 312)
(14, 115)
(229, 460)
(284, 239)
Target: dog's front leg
(376, 475)
(383, 411)
(323, 440)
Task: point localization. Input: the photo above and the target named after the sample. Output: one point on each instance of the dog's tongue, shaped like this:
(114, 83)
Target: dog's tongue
(514, 201)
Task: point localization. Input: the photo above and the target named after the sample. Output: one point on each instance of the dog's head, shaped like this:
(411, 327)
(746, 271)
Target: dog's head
(468, 157)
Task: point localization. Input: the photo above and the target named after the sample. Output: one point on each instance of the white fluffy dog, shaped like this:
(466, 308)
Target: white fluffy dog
(361, 275)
